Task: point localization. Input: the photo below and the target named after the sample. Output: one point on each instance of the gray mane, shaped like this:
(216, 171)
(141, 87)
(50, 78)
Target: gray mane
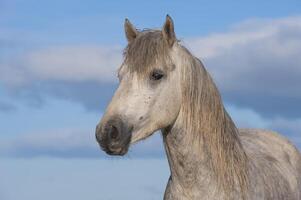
(206, 117)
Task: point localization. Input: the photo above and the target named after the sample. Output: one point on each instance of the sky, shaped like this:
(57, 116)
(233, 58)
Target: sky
(58, 63)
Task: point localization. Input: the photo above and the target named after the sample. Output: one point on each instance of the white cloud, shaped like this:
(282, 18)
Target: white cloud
(70, 143)
(75, 63)
(57, 139)
(245, 117)
(63, 63)
(61, 143)
(243, 33)
(256, 64)
(248, 118)
(248, 49)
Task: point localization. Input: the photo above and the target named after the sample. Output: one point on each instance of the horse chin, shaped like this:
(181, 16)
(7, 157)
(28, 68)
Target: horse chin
(119, 148)
(117, 152)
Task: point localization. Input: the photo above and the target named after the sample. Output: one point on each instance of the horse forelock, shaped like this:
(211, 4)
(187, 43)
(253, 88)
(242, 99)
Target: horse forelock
(147, 51)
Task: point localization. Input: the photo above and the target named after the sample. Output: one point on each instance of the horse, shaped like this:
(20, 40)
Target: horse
(162, 86)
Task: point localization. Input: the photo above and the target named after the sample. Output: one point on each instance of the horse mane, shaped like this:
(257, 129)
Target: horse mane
(204, 115)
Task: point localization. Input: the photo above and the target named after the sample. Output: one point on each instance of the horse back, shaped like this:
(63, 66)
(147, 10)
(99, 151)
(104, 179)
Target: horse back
(275, 165)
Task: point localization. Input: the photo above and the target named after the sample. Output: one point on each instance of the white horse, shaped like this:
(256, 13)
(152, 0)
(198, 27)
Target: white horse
(164, 87)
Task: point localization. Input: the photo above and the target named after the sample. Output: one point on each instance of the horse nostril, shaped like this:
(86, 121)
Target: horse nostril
(114, 133)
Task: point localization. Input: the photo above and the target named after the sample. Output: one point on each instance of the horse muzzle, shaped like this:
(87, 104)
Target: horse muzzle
(114, 136)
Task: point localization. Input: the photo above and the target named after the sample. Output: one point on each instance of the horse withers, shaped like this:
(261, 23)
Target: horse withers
(164, 87)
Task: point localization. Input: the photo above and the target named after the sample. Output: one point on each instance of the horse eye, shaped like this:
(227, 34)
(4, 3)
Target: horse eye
(156, 75)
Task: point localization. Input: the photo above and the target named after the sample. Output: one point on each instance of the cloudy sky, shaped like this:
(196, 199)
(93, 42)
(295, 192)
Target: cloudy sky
(58, 62)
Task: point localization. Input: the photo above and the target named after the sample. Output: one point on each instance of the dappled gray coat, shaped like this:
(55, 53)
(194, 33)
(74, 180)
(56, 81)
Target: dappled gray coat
(164, 87)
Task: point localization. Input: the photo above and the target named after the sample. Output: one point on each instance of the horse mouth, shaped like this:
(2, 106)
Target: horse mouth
(118, 148)
(117, 152)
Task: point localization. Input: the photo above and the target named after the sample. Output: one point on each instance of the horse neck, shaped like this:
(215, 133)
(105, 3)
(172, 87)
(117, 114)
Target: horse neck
(203, 145)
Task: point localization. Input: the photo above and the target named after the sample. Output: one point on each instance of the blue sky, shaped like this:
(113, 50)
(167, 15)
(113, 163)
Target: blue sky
(58, 62)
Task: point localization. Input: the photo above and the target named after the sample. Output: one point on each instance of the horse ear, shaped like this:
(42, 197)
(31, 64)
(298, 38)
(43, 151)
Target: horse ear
(168, 31)
(130, 31)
